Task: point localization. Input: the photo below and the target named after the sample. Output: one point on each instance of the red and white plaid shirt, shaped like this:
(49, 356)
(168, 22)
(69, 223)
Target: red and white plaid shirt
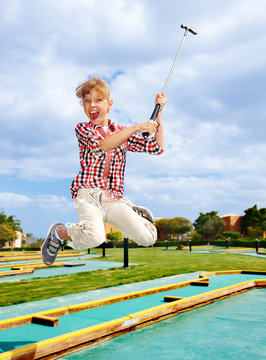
(105, 170)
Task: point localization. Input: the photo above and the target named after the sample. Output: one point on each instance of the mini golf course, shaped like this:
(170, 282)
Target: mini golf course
(54, 333)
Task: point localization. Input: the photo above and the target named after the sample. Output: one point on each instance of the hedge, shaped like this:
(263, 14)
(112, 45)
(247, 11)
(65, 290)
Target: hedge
(246, 242)
(250, 243)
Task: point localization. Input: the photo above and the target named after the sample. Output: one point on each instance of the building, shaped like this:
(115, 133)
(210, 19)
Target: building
(232, 222)
(15, 243)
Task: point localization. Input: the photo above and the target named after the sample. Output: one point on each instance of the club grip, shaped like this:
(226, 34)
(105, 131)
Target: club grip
(153, 117)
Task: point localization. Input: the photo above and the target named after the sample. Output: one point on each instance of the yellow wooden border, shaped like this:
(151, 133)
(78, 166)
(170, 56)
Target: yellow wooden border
(91, 304)
(34, 257)
(29, 268)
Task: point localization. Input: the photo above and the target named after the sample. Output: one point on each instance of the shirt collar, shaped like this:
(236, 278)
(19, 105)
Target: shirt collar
(111, 125)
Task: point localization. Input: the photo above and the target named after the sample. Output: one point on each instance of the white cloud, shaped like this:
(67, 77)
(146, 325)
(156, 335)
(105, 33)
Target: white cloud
(214, 119)
(192, 195)
(43, 201)
(54, 202)
(15, 200)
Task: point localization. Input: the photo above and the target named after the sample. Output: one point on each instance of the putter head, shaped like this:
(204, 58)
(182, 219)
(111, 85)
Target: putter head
(189, 28)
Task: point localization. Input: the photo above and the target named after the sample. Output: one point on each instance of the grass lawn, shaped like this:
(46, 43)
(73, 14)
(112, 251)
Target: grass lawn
(151, 263)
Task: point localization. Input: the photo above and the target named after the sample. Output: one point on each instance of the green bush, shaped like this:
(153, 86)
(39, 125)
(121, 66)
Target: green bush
(251, 243)
(219, 242)
(163, 243)
(27, 248)
(115, 235)
(229, 235)
(31, 248)
(195, 237)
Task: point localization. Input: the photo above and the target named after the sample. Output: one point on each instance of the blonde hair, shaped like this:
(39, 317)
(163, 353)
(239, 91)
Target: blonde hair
(97, 84)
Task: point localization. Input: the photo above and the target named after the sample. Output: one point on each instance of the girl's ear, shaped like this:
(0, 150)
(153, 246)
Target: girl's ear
(110, 104)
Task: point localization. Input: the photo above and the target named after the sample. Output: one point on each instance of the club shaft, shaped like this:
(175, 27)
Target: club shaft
(157, 106)
(173, 66)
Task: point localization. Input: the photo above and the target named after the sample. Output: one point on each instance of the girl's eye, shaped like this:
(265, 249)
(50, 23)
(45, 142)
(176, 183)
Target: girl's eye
(87, 101)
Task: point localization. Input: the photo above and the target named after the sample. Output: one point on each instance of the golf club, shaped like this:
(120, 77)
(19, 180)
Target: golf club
(157, 106)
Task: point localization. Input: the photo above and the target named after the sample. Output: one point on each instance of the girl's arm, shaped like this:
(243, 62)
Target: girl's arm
(159, 135)
(150, 126)
(112, 141)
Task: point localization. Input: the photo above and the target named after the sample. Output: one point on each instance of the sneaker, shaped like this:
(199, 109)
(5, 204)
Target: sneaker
(51, 246)
(145, 213)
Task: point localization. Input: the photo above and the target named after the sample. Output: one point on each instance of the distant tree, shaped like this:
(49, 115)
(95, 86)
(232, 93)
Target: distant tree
(254, 232)
(254, 219)
(162, 228)
(209, 225)
(201, 220)
(14, 223)
(179, 226)
(30, 238)
(212, 228)
(176, 225)
(8, 227)
(38, 243)
(7, 233)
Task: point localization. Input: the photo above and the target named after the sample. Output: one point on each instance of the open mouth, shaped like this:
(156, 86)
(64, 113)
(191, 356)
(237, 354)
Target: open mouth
(94, 115)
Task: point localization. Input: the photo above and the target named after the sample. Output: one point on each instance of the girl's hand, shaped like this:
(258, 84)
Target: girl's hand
(149, 126)
(160, 99)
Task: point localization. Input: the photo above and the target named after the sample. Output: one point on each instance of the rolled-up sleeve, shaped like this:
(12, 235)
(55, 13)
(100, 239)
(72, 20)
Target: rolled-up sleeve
(88, 139)
(138, 143)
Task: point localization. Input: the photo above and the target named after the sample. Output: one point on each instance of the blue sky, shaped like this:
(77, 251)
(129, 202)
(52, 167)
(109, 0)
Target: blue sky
(215, 156)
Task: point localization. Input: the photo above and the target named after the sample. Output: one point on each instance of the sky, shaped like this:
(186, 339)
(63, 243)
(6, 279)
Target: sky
(215, 148)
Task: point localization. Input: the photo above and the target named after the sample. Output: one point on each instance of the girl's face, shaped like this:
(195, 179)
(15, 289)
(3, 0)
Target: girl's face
(96, 107)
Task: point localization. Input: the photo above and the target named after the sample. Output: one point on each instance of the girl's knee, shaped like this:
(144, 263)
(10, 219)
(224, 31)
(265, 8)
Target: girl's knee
(147, 236)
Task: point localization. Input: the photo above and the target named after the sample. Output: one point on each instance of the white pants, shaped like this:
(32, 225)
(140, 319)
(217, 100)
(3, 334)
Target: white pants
(94, 207)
